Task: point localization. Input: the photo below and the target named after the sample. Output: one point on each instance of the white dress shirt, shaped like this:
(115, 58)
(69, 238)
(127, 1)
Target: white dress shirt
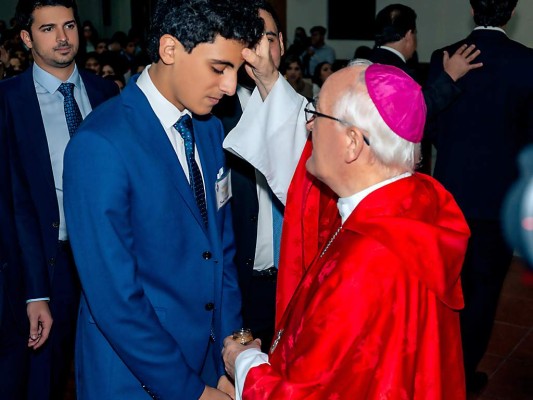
(51, 103)
(168, 114)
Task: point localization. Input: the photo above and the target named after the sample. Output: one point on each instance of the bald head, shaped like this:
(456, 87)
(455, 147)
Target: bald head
(357, 146)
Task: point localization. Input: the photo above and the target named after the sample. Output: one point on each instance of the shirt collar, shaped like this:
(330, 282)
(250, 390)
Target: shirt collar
(50, 82)
(167, 113)
(346, 205)
(489, 28)
(394, 51)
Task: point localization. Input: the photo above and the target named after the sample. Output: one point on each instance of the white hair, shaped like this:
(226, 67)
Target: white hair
(356, 107)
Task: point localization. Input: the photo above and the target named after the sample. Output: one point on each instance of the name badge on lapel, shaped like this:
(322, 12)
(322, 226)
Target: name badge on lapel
(223, 187)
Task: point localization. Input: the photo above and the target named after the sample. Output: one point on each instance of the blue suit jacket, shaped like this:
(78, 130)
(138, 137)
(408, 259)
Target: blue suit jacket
(155, 280)
(35, 202)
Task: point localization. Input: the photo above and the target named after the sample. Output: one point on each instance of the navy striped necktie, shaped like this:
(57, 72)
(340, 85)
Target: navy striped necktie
(185, 129)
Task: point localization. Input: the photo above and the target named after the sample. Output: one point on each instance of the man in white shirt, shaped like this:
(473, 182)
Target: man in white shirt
(257, 214)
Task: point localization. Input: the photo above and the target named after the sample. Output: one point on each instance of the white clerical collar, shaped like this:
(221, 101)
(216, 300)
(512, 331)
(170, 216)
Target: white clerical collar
(394, 51)
(489, 28)
(346, 205)
(167, 113)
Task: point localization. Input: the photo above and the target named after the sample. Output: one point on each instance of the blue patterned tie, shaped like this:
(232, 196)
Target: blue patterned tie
(184, 127)
(277, 224)
(72, 111)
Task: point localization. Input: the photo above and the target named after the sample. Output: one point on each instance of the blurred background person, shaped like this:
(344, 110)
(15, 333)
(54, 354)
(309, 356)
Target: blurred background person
(322, 72)
(92, 63)
(318, 51)
(292, 69)
(300, 42)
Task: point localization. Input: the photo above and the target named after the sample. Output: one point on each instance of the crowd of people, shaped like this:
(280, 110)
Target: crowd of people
(115, 58)
(160, 193)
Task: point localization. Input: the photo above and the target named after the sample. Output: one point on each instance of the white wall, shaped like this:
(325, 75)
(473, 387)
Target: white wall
(439, 22)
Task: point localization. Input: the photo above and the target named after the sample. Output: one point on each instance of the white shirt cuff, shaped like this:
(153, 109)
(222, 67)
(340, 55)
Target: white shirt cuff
(245, 361)
(39, 299)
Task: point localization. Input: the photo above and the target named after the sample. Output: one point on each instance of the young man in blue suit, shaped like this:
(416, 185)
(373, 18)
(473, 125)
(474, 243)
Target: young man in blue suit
(149, 216)
(478, 139)
(33, 120)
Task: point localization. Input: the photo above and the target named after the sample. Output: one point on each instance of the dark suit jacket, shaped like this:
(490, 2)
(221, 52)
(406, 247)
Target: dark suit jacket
(479, 136)
(11, 280)
(438, 94)
(35, 202)
(244, 203)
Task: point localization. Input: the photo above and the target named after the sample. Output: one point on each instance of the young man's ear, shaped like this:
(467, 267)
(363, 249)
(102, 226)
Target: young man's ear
(169, 46)
(26, 38)
(281, 44)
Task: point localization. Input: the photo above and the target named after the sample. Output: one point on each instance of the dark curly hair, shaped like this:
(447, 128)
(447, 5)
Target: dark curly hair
(198, 21)
(393, 23)
(492, 12)
(25, 9)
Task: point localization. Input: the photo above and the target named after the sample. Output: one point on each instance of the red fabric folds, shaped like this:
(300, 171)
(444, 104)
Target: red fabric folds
(376, 316)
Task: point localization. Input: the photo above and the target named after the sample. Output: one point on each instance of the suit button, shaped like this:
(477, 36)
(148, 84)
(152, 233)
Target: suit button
(249, 262)
(209, 307)
(55, 224)
(3, 266)
(253, 218)
(51, 261)
(207, 255)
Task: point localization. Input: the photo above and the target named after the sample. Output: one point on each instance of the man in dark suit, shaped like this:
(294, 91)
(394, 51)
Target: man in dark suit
(396, 42)
(32, 116)
(477, 141)
(147, 203)
(254, 206)
(14, 325)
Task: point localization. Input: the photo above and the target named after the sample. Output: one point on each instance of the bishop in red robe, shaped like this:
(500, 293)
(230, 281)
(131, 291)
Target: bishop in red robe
(368, 299)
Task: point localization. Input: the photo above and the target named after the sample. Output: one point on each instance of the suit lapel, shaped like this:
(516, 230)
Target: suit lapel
(148, 128)
(95, 95)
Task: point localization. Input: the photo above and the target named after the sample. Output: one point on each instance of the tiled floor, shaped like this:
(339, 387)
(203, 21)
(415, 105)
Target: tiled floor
(509, 360)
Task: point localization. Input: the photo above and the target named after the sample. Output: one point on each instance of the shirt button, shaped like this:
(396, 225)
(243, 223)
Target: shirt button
(209, 307)
(206, 255)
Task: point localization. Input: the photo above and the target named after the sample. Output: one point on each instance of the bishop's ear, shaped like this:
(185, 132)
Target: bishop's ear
(355, 143)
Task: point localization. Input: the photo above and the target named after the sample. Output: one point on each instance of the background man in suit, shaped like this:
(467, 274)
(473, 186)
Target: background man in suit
(149, 218)
(33, 117)
(477, 141)
(396, 42)
(14, 325)
(257, 215)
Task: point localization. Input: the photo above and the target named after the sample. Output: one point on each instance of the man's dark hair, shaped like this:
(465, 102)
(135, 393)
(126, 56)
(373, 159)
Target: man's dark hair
(320, 29)
(265, 5)
(393, 23)
(25, 9)
(492, 12)
(199, 21)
